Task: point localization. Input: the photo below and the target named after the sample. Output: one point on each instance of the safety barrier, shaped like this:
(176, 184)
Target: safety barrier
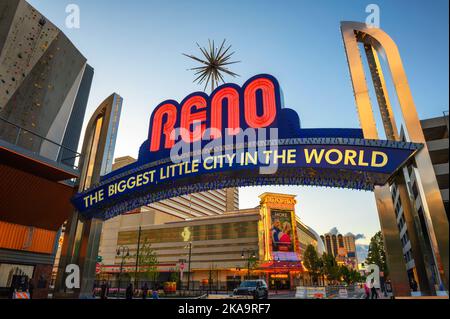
(21, 295)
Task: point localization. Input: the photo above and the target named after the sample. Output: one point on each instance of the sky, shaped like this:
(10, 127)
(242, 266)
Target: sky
(135, 48)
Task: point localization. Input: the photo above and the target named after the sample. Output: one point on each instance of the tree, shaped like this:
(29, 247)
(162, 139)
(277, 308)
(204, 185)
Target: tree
(312, 262)
(330, 268)
(377, 254)
(148, 262)
(349, 276)
(252, 263)
(174, 276)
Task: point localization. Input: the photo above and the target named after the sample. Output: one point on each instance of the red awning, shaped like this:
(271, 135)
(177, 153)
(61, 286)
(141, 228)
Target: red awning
(281, 266)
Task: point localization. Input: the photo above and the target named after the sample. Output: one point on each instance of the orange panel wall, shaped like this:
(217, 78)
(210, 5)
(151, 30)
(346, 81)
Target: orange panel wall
(13, 236)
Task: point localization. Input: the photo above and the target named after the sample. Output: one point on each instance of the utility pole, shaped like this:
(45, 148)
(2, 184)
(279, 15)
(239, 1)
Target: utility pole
(249, 253)
(123, 252)
(189, 266)
(137, 258)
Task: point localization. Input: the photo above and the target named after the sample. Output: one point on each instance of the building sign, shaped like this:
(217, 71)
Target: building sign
(239, 136)
(279, 276)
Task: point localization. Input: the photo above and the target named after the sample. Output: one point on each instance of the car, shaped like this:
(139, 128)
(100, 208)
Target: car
(256, 288)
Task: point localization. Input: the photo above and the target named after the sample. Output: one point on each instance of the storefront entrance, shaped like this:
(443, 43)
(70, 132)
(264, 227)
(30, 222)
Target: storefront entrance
(279, 282)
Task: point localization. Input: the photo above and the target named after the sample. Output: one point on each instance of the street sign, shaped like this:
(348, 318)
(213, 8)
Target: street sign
(181, 270)
(343, 293)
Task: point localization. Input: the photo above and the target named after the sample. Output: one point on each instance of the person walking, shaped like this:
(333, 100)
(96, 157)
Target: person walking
(30, 288)
(367, 290)
(104, 291)
(144, 291)
(129, 292)
(414, 285)
(374, 292)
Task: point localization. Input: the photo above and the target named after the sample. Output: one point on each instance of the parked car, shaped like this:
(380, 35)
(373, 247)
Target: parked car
(256, 288)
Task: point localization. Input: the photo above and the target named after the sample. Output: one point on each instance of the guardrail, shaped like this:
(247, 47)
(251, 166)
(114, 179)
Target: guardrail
(19, 136)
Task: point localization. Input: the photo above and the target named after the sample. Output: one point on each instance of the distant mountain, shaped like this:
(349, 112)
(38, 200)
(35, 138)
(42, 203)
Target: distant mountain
(361, 252)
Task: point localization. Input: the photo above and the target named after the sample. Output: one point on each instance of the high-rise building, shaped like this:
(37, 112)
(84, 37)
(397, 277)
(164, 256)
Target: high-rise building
(350, 242)
(414, 223)
(44, 88)
(341, 247)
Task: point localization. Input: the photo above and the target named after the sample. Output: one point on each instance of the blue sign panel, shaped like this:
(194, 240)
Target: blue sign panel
(189, 150)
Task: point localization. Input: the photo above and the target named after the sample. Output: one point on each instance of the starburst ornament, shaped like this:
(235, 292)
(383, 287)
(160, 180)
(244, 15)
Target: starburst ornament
(213, 64)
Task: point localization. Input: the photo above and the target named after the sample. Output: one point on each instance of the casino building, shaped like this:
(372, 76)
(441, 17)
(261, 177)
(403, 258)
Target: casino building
(341, 247)
(225, 248)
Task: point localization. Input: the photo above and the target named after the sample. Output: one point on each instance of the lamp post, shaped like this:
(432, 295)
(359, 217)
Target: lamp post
(189, 264)
(137, 258)
(276, 282)
(250, 253)
(123, 252)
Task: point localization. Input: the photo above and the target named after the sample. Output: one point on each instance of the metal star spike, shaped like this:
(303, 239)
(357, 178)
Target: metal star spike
(213, 64)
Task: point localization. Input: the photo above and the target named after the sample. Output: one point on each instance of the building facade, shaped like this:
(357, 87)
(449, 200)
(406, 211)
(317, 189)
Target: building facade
(414, 224)
(223, 249)
(341, 247)
(44, 88)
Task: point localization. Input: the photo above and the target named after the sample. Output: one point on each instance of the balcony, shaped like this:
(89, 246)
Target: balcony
(37, 178)
(28, 151)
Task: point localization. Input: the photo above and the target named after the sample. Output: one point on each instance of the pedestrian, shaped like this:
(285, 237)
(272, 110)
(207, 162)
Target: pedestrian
(367, 290)
(374, 292)
(129, 292)
(104, 291)
(144, 291)
(30, 288)
(413, 285)
(12, 290)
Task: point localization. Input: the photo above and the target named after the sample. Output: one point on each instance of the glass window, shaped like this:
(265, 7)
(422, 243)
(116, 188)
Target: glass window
(198, 233)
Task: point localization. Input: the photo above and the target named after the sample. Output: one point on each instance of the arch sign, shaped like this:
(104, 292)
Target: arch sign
(236, 137)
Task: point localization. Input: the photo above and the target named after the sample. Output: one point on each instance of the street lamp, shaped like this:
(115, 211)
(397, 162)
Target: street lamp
(250, 253)
(189, 264)
(276, 281)
(123, 252)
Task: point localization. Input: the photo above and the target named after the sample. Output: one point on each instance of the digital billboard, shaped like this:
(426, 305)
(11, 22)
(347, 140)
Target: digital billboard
(282, 231)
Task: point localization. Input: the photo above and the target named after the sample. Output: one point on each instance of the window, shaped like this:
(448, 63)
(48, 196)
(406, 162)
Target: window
(198, 233)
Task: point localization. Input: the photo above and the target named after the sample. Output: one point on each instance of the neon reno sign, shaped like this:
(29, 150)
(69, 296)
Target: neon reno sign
(255, 105)
(320, 157)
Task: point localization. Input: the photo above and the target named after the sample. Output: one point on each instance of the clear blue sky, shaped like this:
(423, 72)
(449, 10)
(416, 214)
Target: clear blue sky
(135, 48)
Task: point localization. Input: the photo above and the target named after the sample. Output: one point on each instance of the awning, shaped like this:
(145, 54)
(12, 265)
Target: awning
(281, 266)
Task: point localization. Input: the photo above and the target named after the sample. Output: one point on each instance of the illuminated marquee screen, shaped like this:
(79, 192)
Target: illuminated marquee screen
(282, 233)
